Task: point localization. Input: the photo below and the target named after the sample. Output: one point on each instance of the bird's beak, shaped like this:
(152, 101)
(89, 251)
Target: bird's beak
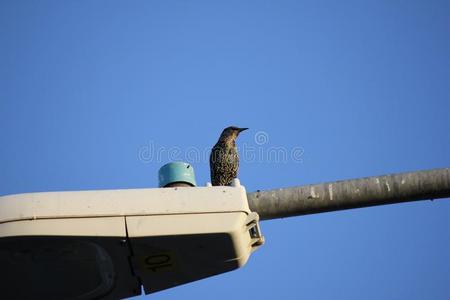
(242, 129)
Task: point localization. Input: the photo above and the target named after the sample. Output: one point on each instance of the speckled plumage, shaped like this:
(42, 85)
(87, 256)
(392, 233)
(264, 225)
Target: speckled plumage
(224, 158)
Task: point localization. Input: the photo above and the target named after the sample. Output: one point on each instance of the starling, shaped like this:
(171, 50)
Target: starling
(224, 159)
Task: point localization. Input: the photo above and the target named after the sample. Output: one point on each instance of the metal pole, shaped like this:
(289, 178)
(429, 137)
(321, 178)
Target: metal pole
(346, 194)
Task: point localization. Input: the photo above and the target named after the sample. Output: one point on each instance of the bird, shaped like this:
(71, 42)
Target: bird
(224, 158)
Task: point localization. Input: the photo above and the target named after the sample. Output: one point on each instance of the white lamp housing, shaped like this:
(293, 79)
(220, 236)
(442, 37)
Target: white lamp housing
(106, 244)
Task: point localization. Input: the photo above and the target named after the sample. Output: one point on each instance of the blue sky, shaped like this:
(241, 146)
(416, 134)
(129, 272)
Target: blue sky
(91, 90)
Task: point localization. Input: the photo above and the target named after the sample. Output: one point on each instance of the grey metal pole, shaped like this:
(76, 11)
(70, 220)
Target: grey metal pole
(346, 194)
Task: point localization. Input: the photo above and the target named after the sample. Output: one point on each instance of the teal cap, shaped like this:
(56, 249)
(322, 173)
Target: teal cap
(176, 172)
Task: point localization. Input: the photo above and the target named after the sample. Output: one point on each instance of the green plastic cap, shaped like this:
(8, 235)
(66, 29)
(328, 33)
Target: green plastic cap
(176, 172)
